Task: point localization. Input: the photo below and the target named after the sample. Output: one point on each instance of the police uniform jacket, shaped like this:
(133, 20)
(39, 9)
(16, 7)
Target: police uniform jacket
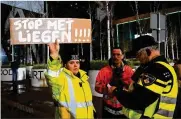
(155, 91)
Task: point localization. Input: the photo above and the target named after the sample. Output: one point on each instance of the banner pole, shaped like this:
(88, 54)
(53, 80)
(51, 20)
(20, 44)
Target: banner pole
(48, 53)
(12, 53)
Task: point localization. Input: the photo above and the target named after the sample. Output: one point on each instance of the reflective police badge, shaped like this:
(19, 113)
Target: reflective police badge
(147, 79)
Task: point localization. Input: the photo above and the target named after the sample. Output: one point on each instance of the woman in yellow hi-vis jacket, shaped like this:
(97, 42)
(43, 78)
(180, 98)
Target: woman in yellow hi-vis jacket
(70, 87)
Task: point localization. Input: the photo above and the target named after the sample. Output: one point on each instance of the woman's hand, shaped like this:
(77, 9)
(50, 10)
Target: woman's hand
(54, 49)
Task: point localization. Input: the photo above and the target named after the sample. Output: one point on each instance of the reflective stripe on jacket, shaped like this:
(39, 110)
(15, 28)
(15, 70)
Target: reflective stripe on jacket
(75, 100)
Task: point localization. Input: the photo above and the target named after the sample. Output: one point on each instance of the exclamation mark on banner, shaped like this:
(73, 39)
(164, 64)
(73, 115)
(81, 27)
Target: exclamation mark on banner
(88, 34)
(80, 34)
(76, 34)
(83, 35)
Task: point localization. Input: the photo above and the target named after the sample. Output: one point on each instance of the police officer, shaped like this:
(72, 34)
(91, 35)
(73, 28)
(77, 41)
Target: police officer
(155, 84)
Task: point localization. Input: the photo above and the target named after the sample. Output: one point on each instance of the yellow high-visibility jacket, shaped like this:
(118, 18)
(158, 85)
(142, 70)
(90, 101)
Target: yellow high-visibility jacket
(73, 94)
(161, 79)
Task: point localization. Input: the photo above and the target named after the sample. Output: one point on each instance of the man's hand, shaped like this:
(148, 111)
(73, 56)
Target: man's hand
(101, 88)
(111, 89)
(131, 87)
(54, 49)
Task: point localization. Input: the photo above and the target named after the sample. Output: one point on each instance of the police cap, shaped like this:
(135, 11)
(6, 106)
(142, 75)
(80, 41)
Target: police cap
(142, 42)
(68, 57)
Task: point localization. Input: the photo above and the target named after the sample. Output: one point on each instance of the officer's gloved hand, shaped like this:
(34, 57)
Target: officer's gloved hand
(113, 82)
(117, 84)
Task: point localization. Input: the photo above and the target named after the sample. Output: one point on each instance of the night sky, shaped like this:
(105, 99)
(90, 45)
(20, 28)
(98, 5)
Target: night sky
(122, 9)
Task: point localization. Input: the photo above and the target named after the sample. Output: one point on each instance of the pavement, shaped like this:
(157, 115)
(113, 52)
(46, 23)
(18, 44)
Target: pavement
(27, 103)
(31, 102)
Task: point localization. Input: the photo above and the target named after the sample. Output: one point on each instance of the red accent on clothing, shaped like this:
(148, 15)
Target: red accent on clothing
(104, 77)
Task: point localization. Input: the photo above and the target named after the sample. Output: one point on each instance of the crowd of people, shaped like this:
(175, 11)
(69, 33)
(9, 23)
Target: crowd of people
(152, 91)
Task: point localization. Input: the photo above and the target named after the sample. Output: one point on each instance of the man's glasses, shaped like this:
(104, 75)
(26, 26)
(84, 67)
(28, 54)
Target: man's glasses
(116, 54)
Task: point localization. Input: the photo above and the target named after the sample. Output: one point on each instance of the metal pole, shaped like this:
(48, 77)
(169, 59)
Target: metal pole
(111, 26)
(108, 30)
(165, 44)
(117, 31)
(158, 30)
(91, 57)
(48, 52)
(100, 38)
(137, 18)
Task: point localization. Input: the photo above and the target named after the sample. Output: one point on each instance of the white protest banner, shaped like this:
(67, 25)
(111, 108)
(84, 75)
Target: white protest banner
(47, 30)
